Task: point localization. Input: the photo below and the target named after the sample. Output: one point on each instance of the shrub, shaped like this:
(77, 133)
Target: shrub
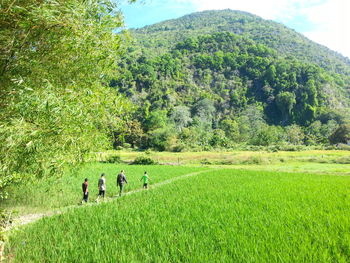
(205, 161)
(256, 160)
(294, 148)
(273, 148)
(343, 147)
(144, 160)
(178, 148)
(126, 145)
(341, 134)
(342, 160)
(113, 159)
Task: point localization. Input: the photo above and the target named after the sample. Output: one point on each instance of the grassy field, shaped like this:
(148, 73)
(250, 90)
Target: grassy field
(296, 167)
(243, 207)
(218, 216)
(315, 161)
(237, 157)
(52, 193)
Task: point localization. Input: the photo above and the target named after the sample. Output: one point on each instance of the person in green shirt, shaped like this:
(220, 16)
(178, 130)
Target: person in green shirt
(145, 180)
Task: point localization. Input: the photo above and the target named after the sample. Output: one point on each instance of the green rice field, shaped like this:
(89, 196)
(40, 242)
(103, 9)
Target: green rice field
(222, 215)
(52, 193)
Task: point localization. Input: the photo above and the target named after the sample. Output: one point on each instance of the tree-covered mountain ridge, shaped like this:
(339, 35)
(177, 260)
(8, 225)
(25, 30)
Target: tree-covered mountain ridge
(287, 42)
(197, 85)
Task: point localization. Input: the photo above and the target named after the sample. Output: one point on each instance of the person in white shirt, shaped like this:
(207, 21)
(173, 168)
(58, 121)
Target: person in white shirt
(101, 186)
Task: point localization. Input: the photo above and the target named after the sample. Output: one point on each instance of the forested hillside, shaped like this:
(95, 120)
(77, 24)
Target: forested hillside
(193, 89)
(161, 36)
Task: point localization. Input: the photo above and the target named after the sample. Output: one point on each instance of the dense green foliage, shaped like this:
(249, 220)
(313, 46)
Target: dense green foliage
(144, 160)
(214, 91)
(341, 134)
(55, 61)
(220, 216)
(161, 36)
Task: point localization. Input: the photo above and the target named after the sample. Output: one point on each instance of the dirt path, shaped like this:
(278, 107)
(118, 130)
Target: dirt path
(30, 218)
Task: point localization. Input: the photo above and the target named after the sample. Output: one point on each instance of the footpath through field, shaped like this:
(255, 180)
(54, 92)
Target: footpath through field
(29, 218)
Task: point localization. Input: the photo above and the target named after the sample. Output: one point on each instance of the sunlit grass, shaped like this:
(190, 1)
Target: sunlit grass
(238, 157)
(218, 216)
(51, 193)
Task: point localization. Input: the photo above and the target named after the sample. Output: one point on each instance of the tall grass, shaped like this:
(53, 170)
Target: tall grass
(219, 216)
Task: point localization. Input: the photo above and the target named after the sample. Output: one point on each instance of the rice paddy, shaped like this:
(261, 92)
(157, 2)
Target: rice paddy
(52, 193)
(222, 215)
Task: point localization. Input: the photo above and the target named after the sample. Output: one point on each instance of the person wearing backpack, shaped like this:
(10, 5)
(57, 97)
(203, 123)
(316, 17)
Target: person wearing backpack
(101, 187)
(145, 179)
(121, 179)
(85, 187)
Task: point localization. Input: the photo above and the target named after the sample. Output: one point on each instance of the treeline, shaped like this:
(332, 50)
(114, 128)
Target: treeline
(220, 90)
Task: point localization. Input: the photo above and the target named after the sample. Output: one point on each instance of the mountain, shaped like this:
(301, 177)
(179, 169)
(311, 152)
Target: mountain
(218, 78)
(162, 36)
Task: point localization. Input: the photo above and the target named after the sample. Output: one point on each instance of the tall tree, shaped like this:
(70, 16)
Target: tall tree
(341, 134)
(55, 58)
(181, 116)
(285, 102)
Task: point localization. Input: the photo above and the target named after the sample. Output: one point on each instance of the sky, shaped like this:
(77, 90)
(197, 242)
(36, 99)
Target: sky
(326, 22)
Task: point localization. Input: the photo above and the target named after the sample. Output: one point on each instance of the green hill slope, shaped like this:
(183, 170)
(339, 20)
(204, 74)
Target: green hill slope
(218, 78)
(162, 36)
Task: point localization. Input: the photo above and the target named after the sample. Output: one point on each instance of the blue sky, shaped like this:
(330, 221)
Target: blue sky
(324, 21)
(147, 12)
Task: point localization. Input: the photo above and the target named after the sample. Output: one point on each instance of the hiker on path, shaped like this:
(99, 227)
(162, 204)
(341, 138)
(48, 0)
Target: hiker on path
(121, 179)
(145, 179)
(85, 187)
(101, 187)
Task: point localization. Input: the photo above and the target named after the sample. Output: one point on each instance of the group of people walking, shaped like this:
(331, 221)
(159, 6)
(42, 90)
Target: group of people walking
(121, 180)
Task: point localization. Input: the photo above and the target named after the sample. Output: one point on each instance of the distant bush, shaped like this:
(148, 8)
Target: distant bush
(205, 162)
(256, 160)
(344, 147)
(227, 162)
(178, 148)
(144, 160)
(273, 148)
(126, 145)
(113, 159)
(331, 147)
(293, 148)
(342, 160)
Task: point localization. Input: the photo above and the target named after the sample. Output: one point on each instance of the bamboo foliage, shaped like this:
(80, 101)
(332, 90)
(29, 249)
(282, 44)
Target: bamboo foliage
(55, 61)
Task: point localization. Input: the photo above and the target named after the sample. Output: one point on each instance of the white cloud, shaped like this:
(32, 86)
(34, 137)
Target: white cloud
(329, 23)
(332, 25)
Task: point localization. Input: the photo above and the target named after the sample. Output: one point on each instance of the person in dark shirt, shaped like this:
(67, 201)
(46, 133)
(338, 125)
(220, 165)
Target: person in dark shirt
(121, 179)
(85, 187)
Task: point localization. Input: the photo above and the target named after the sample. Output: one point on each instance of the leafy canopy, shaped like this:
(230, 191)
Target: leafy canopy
(55, 60)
